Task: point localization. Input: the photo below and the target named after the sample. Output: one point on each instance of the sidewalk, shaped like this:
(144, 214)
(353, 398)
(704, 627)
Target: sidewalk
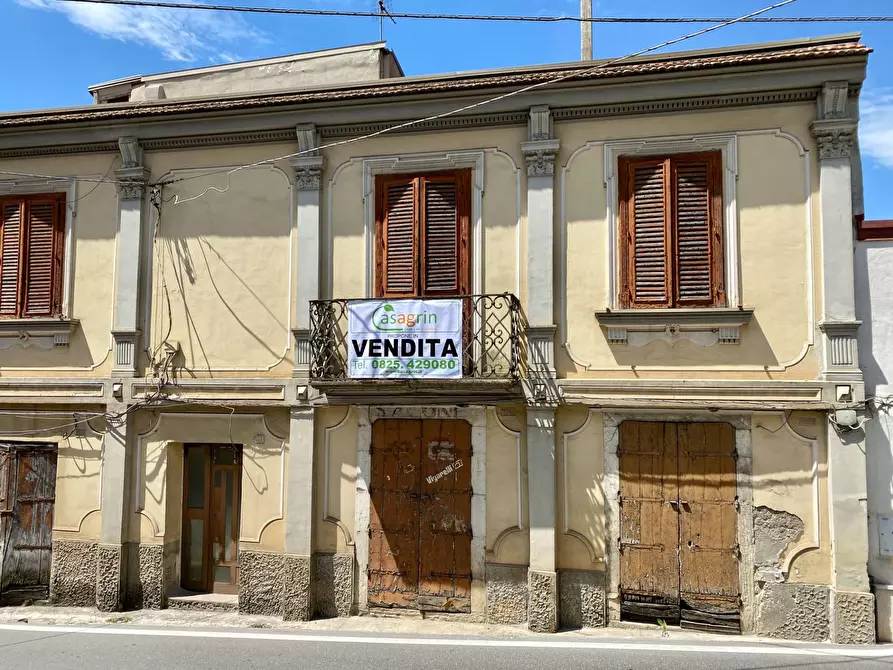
(388, 625)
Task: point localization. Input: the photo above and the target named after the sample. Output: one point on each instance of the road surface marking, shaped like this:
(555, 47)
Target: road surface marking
(767, 649)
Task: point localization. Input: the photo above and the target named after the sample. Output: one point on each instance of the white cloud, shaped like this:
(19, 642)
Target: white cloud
(180, 35)
(876, 126)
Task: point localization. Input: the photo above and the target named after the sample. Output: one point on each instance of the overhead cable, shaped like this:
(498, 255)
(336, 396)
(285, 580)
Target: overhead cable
(248, 9)
(465, 108)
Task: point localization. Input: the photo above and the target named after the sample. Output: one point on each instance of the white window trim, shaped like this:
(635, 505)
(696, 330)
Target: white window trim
(653, 146)
(68, 186)
(426, 162)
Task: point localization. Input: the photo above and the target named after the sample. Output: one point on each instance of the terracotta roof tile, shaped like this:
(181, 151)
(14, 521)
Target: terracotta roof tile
(479, 81)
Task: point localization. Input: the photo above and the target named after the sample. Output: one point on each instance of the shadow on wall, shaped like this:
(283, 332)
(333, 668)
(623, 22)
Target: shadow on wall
(186, 275)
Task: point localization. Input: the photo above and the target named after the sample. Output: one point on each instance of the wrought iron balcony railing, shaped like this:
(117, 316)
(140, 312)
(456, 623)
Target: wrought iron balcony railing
(491, 340)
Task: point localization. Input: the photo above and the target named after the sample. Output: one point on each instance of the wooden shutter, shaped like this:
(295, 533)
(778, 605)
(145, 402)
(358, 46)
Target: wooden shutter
(31, 256)
(399, 221)
(698, 232)
(422, 234)
(10, 253)
(39, 259)
(647, 234)
(671, 231)
(445, 219)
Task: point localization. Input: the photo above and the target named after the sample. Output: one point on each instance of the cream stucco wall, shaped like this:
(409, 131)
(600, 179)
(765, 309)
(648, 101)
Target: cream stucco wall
(774, 214)
(508, 538)
(92, 260)
(223, 261)
(790, 475)
(580, 467)
(158, 476)
(335, 479)
(500, 265)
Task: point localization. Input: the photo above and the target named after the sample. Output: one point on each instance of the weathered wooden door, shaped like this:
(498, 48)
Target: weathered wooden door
(678, 524)
(420, 516)
(27, 502)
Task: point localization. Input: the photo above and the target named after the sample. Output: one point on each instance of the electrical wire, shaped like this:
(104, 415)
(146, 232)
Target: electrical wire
(36, 175)
(465, 108)
(480, 17)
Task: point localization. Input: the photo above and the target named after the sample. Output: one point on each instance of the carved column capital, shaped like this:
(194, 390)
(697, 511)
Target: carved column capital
(835, 139)
(540, 157)
(131, 182)
(308, 172)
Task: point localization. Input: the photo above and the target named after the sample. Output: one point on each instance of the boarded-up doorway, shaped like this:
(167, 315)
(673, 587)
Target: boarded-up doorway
(27, 502)
(420, 515)
(678, 524)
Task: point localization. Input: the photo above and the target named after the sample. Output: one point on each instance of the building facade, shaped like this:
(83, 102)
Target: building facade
(647, 414)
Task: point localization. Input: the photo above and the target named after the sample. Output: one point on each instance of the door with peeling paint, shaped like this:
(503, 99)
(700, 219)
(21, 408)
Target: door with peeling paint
(420, 515)
(679, 524)
(27, 504)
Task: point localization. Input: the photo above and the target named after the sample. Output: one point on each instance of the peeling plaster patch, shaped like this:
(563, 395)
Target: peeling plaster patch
(774, 531)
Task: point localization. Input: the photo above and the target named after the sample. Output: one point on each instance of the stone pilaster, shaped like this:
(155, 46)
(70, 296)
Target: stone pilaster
(132, 179)
(110, 554)
(297, 573)
(540, 152)
(542, 582)
(835, 136)
(308, 168)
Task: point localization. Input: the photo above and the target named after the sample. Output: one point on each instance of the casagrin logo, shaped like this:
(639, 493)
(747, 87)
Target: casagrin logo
(387, 319)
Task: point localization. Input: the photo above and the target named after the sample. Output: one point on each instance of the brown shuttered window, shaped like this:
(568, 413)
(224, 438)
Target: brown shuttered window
(671, 239)
(31, 240)
(422, 234)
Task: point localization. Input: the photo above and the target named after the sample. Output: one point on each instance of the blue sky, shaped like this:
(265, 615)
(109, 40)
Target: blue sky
(53, 51)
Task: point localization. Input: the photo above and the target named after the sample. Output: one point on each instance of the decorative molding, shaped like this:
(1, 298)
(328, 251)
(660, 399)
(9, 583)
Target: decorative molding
(566, 529)
(835, 139)
(811, 543)
(731, 210)
(517, 172)
(40, 333)
(728, 145)
(302, 347)
(131, 153)
(308, 172)
(842, 348)
(519, 469)
(421, 162)
(308, 139)
(704, 327)
(446, 123)
(540, 156)
(539, 126)
(131, 182)
(834, 100)
(326, 517)
(125, 352)
(541, 349)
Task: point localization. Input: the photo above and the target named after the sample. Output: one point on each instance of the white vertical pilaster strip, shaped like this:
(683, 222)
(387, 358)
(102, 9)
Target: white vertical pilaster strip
(363, 504)
(541, 487)
(299, 496)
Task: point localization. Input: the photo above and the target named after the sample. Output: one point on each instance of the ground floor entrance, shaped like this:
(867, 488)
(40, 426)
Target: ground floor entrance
(27, 503)
(211, 511)
(420, 515)
(679, 524)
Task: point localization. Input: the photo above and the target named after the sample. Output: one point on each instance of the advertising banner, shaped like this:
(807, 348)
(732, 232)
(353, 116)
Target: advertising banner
(405, 339)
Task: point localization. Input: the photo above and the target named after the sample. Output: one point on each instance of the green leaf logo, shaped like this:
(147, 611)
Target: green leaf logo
(388, 308)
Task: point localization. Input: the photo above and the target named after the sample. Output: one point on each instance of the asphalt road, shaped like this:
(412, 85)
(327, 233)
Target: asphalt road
(116, 647)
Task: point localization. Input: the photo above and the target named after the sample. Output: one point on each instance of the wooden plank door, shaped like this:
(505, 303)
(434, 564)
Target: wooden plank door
(394, 513)
(708, 521)
(30, 493)
(649, 525)
(196, 517)
(445, 514)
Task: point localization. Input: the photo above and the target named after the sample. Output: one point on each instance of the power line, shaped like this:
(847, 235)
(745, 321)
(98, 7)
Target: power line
(486, 17)
(406, 124)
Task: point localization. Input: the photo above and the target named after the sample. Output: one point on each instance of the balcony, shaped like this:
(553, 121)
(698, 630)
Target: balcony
(492, 351)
